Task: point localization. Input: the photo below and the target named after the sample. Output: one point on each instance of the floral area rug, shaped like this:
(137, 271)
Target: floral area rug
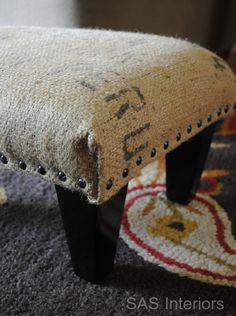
(197, 240)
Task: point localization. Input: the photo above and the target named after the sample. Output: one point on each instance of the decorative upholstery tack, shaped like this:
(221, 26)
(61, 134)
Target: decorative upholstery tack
(91, 102)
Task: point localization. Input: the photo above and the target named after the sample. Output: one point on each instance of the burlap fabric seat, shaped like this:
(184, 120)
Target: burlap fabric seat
(87, 109)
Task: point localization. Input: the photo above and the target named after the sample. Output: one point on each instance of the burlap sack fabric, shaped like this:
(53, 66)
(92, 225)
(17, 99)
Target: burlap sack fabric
(99, 105)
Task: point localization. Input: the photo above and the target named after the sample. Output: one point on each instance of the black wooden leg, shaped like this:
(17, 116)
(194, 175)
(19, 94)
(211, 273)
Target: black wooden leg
(184, 166)
(92, 232)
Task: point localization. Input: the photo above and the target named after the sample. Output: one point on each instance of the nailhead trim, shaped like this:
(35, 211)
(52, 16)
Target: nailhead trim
(61, 176)
(22, 164)
(139, 161)
(4, 159)
(153, 152)
(178, 137)
(41, 170)
(226, 108)
(82, 183)
(199, 124)
(109, 184)
(125, 173)
(189, 129)
(166, 145)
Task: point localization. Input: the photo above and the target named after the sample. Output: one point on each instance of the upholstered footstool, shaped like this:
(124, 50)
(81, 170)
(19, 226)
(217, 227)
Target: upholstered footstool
(87, 109)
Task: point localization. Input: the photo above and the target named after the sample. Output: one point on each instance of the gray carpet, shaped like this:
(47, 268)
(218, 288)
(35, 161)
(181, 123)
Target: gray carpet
(36, 277)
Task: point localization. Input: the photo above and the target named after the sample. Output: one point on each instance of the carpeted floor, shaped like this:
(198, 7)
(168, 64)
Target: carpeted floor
(36, 276)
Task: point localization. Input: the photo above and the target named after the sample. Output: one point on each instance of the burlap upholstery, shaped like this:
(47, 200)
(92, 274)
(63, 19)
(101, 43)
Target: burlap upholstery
(99, 105)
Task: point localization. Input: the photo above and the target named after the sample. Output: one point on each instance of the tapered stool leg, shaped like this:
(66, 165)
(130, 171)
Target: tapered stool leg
(92, 232)
(184, 166)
